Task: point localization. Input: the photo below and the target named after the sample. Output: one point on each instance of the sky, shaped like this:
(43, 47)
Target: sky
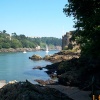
(36, 18)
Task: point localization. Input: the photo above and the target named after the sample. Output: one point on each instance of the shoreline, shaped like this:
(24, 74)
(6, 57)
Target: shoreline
(22, 50)
(17, 50)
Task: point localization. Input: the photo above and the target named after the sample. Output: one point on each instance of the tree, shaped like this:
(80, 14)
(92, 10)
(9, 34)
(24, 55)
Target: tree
(15, 44)
(4, 31)
(6, 45)
(18, 41)
(22, 36)
(86, 15)
(14, 34)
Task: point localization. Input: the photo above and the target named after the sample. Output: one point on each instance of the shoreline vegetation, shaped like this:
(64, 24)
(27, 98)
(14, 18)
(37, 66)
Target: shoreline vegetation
(17, 49)
(22, 49)
(10, 42)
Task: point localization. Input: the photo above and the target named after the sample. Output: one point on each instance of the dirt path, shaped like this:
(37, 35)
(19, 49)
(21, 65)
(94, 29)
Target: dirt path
(72, 92)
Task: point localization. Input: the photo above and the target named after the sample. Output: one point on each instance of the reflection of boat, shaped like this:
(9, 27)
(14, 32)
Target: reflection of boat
(47, 49)
(24, 52)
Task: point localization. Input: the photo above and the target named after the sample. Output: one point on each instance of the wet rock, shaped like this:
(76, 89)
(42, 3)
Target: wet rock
(38, 67)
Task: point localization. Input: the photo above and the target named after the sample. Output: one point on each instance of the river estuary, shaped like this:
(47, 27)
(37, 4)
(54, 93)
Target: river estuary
(18, 66)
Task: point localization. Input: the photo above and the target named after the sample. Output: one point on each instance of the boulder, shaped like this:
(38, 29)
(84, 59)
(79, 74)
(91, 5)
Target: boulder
(35, 57)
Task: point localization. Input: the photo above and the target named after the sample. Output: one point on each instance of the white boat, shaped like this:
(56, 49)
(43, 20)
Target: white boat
(24, 52)
(47, 49)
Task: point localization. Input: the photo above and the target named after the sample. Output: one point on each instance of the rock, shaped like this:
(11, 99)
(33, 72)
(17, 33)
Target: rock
(53, 75)
(47, 57)
(38, 67)
(70, 78)
(42, 82)
(12, 82)
(52, 68)
(28, 91)
(61, 56)
(35, 57)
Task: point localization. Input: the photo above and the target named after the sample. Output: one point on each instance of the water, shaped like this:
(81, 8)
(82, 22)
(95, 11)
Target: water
(18, 66)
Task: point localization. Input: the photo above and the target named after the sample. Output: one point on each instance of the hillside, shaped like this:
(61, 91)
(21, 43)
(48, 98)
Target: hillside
(21, 41)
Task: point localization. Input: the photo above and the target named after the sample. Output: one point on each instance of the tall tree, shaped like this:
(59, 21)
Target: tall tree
(4, 31)
(86, 15)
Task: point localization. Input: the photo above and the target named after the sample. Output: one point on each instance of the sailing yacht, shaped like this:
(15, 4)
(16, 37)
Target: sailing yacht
(47, 49)
(24, 52)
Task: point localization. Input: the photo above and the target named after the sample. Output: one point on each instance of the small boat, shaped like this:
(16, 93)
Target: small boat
(24, 52)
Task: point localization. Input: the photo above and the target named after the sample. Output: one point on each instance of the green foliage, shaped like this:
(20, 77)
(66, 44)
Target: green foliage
(51, 40)
(6, 45)
(70, 46)
(42, 45)
(15, 43)
(86, 15)
(21, 41)
(51, 46)
(66, 48)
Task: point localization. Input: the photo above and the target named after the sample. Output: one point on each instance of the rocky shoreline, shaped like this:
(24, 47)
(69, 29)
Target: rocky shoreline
(53, 70)
(21, 49)
(57, 57)
(73, 70)
(28, 91)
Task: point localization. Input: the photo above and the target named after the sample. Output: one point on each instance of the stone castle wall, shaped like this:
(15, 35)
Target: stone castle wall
(66, 39)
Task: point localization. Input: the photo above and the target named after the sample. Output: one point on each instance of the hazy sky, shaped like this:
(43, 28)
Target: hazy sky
(35, 17)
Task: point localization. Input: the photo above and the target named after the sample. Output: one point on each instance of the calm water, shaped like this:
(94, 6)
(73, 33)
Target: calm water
(18, 66)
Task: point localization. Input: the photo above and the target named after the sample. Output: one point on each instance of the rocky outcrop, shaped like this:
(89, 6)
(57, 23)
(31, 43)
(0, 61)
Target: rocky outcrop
(77, 72)
(61, 56)
(57, 57)
(47, 82)
(28, 91)
(69, 78)
(35, 57)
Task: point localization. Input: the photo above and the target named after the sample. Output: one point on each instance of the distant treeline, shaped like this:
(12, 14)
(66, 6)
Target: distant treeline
(21, 41)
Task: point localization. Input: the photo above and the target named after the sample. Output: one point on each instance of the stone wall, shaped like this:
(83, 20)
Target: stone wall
(66, 39)
(67, 43)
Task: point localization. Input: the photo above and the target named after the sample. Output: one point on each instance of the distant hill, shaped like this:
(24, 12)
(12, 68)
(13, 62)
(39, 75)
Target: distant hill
(21, 41)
